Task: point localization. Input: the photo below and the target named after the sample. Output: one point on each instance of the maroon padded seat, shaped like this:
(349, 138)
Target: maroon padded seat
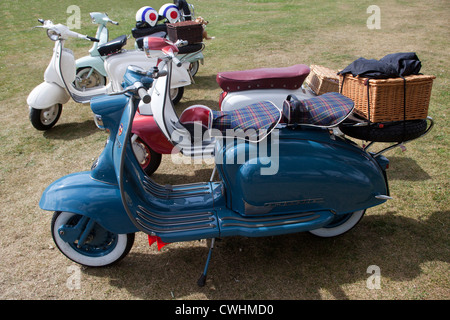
(264, 78)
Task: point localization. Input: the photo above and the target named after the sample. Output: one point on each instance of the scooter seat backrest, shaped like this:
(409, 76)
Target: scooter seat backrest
(112, 46)
(327, 110)
(263, 78)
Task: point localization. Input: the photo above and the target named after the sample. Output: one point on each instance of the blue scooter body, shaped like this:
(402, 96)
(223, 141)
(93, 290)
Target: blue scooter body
(69, 193)
(319, 177)
(309, 170)
(95, 193)
(304, 180)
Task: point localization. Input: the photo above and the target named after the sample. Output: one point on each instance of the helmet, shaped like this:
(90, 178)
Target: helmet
(170, 12)
(148, 15)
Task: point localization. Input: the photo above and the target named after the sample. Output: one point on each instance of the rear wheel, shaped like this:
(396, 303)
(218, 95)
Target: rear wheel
(86, 79)
(340, 225)
(44, 119)
(101, 247)
(176, 94)
(193, 68)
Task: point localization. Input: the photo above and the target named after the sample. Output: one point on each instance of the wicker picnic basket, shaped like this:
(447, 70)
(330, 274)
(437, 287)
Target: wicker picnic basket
(190, 31)
(383, 100)
(322, 80)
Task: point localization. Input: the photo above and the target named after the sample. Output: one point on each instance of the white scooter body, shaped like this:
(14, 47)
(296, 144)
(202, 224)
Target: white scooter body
(58, 78)
(239, 99)
(45, 101)
(242, 88)
(117, 65)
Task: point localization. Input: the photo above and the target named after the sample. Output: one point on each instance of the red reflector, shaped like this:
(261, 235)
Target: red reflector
(221, 98)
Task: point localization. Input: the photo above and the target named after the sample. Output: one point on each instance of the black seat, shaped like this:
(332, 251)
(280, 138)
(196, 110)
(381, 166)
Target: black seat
(146, 30)
(112, 46)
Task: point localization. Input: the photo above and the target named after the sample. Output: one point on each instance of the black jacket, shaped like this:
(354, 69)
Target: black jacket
(391, 66)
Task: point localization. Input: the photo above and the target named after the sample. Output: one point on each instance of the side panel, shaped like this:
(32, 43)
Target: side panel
(116, 65)
(314, 173)
(79, 193)
(192, 57)
(95, 62)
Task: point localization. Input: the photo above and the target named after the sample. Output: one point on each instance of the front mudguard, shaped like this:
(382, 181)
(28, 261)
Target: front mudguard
(46, 95)
(147, 129)
(79, 193)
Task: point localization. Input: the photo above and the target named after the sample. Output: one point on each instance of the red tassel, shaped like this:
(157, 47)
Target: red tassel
(159, 242)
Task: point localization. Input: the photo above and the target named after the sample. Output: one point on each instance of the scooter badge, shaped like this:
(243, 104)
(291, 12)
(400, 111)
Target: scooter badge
(120, 129)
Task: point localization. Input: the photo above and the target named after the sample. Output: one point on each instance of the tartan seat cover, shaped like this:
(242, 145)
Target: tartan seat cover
(258, 116)
(326, 110)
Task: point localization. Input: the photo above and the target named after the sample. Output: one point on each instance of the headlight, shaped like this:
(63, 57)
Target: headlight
(53, 35)
(99, 122)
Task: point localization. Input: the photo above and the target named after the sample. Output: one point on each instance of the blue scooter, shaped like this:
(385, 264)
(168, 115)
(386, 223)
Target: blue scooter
(280, 171)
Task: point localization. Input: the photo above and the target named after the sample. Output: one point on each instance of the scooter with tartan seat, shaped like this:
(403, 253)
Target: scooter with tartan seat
(286, 173)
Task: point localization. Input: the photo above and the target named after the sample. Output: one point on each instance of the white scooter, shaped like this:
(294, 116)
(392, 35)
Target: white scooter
(46, 100)
(90, 69)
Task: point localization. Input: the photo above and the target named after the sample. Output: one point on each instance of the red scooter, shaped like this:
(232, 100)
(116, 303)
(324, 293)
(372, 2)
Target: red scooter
(150, 143)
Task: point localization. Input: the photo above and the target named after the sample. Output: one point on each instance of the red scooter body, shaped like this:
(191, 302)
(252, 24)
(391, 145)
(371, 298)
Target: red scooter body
(146, 128)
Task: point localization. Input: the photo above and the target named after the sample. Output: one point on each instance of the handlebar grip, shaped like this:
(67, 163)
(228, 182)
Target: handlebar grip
(41, 20)
(93, 39)
(177, 62)
(143, 94)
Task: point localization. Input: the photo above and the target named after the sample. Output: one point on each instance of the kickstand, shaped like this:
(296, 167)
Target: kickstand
(202, 280)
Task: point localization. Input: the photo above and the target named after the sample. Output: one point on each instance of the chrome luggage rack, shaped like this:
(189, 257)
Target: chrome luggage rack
(399, 144)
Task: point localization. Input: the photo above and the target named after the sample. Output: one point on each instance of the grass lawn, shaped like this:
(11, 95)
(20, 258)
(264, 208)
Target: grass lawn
(407, 238)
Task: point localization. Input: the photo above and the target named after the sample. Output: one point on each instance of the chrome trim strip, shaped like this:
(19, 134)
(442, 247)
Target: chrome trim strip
(176, 216)
(172, 223)
(271, 218)
(172, 230)
(265, 225)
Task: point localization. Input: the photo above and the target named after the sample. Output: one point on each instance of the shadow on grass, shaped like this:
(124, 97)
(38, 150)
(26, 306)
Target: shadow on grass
(401, 168)
(72, 131)
(206, 82)
(214, 105)
(295, 266)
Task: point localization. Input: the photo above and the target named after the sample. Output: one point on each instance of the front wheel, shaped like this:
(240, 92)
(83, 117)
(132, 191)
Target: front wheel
(340, 225)
(100, 248)
(44, 119)
(146, 156)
